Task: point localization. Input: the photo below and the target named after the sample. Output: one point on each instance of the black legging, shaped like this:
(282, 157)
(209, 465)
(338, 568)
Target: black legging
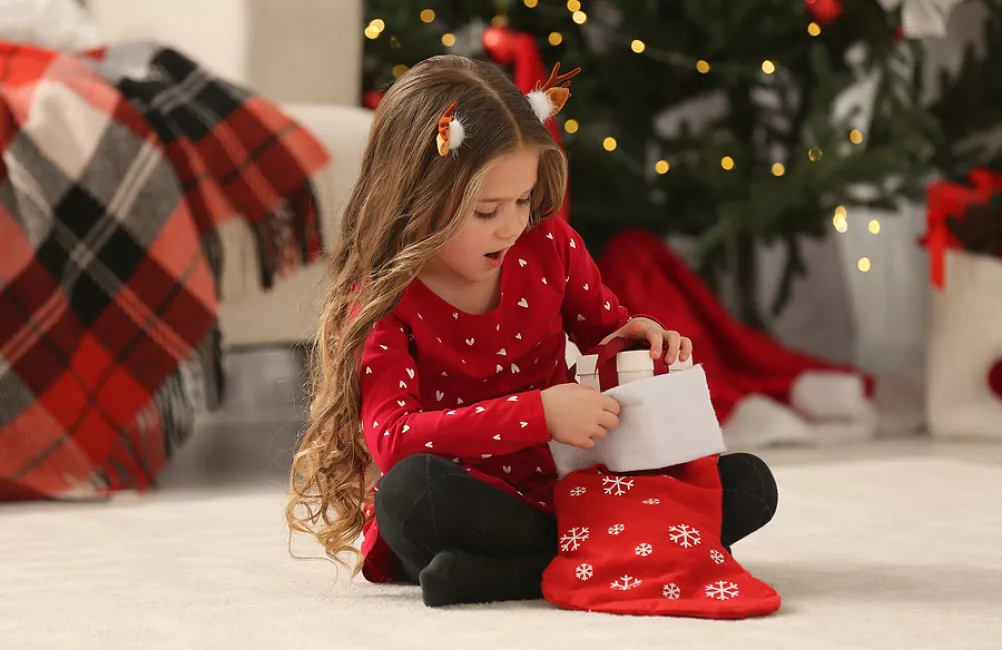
(487, 545)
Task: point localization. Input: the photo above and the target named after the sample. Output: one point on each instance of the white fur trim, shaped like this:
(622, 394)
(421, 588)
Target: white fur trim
(541, 104)
(831, 396)
(456, 133)
(758, 421)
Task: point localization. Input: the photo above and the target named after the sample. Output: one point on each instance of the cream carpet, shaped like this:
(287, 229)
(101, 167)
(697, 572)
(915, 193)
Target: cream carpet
(878, 554)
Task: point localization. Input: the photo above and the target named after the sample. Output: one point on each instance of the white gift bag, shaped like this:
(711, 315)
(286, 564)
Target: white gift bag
(963, 344)
(664, 420)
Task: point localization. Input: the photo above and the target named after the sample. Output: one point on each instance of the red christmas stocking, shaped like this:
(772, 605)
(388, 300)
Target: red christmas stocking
(649, 544)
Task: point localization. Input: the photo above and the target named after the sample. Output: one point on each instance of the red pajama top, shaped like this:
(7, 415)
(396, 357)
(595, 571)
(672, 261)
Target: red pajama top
(466, 387)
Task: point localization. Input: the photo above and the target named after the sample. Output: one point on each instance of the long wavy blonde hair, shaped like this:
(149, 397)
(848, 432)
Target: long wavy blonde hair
(408, 201)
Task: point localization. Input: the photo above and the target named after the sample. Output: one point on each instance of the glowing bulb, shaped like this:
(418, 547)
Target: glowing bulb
(814, 153)
(702, 66)
(609, 144)
(814, 29)
(637, 46)
(768, 67)
(377, 25)
(579, 17)
(573, 5)
(662, 167)
(864, 264)
(399, 69)
(427, 15)
(874, 226)
(531, 4)
(727, 163)
(371, 33)
(841, 225)
(856, 136)
(448, 40)
(499, 21)
(571, 126)
(778, 169)
(841, 212)
(555, 38)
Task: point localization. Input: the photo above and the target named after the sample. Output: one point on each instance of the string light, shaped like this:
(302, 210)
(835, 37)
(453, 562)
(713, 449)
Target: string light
(815, 153)
(841, 225)
(841, 212)
(375, 28)
(702, 66)
(814, 29)
(579, 17)
(399, 69)
(499, 21)
(768, 67)
(778, 169)
(531, 4)
(662, 166)
(448, 40)
(864, 264)
(427, 15)
(874, 226)
(727, 163)
(573, 5)
(555, 38)
(609, 144)
(856, 136)
(637, 46)
(394, 43)
(571, 126)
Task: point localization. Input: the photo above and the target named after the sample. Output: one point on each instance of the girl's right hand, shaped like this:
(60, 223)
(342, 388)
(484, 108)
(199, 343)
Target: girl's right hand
(576, 415)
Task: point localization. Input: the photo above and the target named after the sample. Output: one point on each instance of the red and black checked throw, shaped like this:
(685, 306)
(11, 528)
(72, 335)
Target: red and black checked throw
(117, 169)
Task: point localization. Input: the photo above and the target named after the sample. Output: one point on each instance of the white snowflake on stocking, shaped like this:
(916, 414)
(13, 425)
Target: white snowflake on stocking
(671, 591)
(625, 583)
(572, 539)
(717, 556)
(584, 572)
(684, 535)
(722, 590)
(652, 502)
(578, 491)
(617, 485)
(644, 549)
(616, 529)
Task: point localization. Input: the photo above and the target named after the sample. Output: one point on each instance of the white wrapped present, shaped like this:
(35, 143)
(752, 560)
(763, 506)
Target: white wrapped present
(666, 416)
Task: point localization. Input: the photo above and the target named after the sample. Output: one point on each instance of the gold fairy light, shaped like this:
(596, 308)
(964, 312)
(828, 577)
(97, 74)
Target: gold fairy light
(638, 46)
(609, 144)
(863, 264)
(727, 163)
(662, 166)
(778, 169)
(702, 66)
(874, 226)
(579, 17)
(448, 40)
(814, 29)
(768, 67)
(555, 38)
(815, 154)
(427, 15)
(571, 126)
(856, 136)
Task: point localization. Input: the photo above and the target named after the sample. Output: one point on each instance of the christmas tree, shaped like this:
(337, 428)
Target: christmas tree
(736, 124)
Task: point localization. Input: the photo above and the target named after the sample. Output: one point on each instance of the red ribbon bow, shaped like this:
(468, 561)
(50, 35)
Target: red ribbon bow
(945, 199)
(608, 374)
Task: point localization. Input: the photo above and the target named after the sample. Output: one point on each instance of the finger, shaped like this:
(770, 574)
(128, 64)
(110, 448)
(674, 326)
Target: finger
(656, 337)
(587, 444)
(608, 420)
(685, 351)
(599, 433)
(610, 405)
(674, 341)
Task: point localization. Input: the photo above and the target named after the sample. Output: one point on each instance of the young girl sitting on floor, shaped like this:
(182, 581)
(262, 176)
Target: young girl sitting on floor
(442, 347)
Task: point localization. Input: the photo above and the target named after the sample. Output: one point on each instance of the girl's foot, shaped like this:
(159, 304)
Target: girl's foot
(454, 577)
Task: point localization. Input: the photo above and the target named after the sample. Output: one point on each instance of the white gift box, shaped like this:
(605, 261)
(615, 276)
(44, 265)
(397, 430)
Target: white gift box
(664, 420)
(964, 341)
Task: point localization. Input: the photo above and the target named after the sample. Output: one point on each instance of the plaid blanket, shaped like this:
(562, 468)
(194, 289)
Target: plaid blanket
(117, 169)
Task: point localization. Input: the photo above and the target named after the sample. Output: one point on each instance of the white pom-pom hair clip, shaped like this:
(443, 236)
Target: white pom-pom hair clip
(549, 98)
(546, 101)
(450, 131)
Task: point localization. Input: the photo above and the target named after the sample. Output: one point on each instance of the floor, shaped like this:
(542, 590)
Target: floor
(883, 544)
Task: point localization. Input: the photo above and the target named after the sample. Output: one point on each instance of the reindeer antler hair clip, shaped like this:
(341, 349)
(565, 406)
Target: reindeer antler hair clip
(450, 131)
(547, 99)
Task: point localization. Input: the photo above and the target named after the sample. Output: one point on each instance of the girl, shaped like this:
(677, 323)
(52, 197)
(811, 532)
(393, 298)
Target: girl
(442, 345)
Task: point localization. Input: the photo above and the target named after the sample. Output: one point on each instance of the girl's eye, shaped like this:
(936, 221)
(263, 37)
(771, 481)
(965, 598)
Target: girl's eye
(525, 201)
(487, 215)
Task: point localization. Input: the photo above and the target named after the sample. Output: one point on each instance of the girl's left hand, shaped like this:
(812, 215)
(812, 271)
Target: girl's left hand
(644, 329)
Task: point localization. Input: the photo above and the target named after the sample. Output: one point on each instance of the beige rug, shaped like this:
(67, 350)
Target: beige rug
(883, 554)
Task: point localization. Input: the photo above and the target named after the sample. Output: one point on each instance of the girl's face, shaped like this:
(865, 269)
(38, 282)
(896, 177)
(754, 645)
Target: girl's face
(501, 214)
